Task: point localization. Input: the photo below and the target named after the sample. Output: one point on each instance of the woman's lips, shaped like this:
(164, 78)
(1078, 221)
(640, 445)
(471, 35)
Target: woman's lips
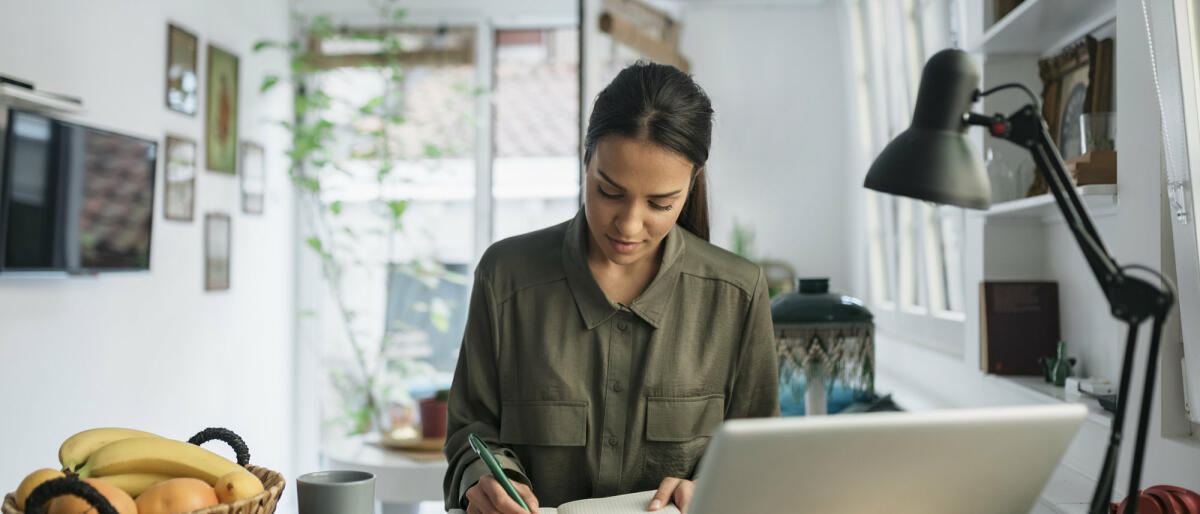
(622, 246)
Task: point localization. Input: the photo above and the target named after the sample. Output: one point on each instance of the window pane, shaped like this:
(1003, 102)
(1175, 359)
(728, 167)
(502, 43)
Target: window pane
(398, 224)
(951, 236)
(881, 283)
(536, 166)
(909, 233)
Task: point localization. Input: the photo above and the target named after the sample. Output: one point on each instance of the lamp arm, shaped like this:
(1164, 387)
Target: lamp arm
(1025, 128)
(1130, 299)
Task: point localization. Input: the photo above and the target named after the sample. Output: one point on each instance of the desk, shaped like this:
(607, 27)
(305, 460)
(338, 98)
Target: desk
(401, 482)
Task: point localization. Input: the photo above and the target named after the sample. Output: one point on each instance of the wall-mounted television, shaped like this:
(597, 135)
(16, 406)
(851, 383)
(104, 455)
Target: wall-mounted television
(74, 198)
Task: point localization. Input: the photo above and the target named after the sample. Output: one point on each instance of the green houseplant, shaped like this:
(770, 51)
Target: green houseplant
(325, 150)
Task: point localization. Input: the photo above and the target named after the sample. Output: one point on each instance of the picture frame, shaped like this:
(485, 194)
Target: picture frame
(217, 240)
(1067, 91)
(253, 177)
(182, 72)
(179, 186)
(1001, 8)
(221, 108)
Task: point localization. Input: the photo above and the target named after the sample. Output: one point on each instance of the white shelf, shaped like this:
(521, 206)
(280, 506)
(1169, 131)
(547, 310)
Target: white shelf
(1098, 199)
(1043, 26)
(1037, 387)
(16, 96)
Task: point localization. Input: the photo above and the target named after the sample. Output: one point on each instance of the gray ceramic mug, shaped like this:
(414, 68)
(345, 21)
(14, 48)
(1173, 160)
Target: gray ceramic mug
(336, 492)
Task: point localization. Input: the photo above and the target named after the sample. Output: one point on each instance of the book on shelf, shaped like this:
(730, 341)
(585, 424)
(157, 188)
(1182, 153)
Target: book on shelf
(1019, 323)
(632, 503)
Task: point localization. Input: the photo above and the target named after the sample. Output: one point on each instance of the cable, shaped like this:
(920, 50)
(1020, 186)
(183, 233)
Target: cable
(1037, 102)
(1166, 281)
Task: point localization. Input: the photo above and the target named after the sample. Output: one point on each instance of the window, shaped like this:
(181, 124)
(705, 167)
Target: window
(914, 267)
(457, 127)
(536, 167)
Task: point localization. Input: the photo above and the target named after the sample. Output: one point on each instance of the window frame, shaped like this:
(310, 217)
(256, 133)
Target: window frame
(908, 305)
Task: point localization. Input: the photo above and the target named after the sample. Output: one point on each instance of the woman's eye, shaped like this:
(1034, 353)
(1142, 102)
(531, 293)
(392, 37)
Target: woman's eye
(660, 207)
(606, 194)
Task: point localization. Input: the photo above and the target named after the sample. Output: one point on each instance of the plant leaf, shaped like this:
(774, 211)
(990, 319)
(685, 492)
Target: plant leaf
(268, 81)
(371, 105)
(336, 207)
(264, 44)
(315, 243)
(398, 207)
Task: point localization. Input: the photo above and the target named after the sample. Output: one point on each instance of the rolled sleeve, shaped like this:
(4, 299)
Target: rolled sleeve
(477, 469)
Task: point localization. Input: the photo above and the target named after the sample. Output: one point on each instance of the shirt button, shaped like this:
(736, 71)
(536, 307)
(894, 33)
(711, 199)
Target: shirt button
(612, 441)
(622, 326)
(617, 387)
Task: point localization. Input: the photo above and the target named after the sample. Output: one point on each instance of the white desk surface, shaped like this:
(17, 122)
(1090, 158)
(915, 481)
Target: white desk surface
(398, 478)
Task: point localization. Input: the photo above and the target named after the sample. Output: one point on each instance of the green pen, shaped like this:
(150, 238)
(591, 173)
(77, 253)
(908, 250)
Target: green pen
(485, 453)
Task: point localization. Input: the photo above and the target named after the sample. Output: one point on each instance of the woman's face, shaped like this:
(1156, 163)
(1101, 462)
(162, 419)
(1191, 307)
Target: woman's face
(635, 192)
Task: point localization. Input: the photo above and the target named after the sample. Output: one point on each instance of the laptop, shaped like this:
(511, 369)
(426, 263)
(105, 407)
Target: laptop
(991, 460)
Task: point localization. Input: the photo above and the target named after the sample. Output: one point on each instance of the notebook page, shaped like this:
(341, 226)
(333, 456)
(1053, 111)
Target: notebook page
(543, 510)
(632, 503)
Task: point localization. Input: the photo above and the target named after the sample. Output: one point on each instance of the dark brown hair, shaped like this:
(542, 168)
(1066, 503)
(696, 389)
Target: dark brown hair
(663, 105)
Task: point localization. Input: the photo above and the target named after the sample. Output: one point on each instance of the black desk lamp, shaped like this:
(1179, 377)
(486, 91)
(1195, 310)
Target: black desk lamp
(933, 161)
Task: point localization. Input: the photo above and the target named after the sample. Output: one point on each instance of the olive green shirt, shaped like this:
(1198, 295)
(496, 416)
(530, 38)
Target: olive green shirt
(580, 397)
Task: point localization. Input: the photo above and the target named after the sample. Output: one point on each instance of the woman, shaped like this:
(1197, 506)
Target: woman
(601, 353)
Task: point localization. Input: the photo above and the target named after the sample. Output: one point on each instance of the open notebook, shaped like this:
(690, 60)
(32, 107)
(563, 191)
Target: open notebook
(632, 503)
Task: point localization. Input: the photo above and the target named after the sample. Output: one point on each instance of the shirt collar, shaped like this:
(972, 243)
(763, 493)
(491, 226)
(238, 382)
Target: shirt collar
(593, 305)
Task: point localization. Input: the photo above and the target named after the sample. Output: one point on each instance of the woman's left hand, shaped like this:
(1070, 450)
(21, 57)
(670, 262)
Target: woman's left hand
(678, 490)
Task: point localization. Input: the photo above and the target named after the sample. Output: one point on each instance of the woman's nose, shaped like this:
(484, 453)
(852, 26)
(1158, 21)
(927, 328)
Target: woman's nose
(629, 222)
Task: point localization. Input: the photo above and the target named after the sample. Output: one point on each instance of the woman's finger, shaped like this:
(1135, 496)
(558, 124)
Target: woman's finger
(683, 495)
(527, 495)
(663, 495)
(478, 501)
(500, 499)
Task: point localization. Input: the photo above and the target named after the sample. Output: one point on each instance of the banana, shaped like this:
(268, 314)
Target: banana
(134, 483)
(157, 455)
(76, 449)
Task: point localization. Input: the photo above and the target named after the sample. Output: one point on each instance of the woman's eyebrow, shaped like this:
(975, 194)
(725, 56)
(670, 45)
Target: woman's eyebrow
(622, 188)
(610, 180)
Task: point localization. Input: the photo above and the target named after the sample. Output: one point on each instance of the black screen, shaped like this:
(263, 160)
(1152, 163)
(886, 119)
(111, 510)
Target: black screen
(77, 198)
(30, 202)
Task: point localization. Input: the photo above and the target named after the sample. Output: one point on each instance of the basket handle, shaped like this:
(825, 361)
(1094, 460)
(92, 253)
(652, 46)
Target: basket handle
(64, 486)
(224, 434)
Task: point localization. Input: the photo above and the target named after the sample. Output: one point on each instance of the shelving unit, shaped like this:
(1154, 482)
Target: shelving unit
(1037, 388)
(1037, 26)
(1098, 199)
(1026, 239)
(19, 97)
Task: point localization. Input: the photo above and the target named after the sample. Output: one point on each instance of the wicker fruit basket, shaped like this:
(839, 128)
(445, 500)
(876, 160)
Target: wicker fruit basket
(262, 503)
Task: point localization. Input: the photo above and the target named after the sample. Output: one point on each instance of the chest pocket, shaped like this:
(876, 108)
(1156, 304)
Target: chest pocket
(544, 423)
(672, 419)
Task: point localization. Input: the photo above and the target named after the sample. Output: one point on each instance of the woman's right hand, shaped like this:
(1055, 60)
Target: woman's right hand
(487, 496)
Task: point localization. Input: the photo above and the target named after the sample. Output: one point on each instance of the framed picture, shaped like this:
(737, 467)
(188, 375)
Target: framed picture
(221, 121)
(1066, 81)
(217, 229)
(1066, 94)
(183, 83)
(179, 195)
(253, 175)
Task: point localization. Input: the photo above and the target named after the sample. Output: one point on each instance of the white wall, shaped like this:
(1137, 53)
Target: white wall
(777, 83)
(153, 350)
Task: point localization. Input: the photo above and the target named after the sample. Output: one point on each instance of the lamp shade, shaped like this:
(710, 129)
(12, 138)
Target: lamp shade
(933, 160)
